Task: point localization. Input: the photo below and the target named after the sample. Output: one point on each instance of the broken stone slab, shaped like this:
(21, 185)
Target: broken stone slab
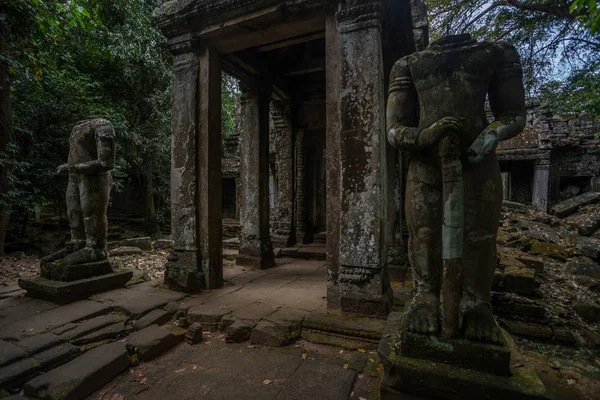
(194, 334)
(514, 206)
(511, 304)
(154, 317)
(588, 310)
(81, 377)
(39, 343)
(239, 331)
(143, 243)
(589, 247)
(126, 251)
(155, 340)
(571, 205)
(57, 356)
(507, 254)
(10, 291)
(69, 291)
(138, 300)
(11, 353)
(53, 319)
(344, 330)
(552, 250)
(15, 374)
(92, 325)
(538, 331)
(209, 316)
(163, 244)
(591, 270)
(590, 224)
(515, 279)
(266, 333)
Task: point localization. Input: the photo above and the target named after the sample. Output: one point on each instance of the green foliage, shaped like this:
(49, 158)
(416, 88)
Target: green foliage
(558, 41)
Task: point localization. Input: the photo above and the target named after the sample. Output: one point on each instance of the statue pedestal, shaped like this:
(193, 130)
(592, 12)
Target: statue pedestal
(455, 369)
(65, 283)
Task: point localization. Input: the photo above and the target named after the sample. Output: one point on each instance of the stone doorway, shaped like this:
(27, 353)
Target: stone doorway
(312, 75)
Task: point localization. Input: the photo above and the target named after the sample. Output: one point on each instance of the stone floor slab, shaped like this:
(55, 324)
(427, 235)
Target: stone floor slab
(157, 317)
(17, 309)
(57, 356)
(11, 353)
(316, 380)
(92, 325)
(54, 318)
(15, 374)
(155, 340)
(82, 376)
(37, 344)
(255, 311)
(139, 299)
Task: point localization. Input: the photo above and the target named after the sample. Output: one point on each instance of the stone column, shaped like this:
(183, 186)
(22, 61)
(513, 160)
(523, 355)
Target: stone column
(363, 281)
(300, 190)
(282, 123)
(541, 184)
(256, 249)
(196, 131)
(209, 207)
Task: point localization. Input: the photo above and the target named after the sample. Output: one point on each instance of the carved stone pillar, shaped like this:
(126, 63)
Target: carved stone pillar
(256, 249)
(196, 260)
(282, 124)
(541, 184)
(300, 188)
(363, 282)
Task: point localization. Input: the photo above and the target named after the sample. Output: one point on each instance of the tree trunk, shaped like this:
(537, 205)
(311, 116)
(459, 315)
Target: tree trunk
(5, 133)
(149, 207)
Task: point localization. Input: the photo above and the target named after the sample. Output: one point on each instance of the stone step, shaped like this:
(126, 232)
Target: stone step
(229, 254)
(571, 205)
(343, 330)
(155, 340)
(306, 252)
(515, 279)
(155, 317)
(82, 376)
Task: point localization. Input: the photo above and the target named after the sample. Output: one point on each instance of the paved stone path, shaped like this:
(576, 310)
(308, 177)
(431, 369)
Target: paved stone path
(70, 351)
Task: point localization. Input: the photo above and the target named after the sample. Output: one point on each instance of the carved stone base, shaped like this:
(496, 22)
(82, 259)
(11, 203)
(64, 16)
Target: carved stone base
(181, 272)
(454, 369)
(58, 271)
(282, 241)
(365, 291)
(64, 292)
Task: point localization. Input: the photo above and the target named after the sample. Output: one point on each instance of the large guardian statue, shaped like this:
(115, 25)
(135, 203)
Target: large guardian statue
(437, 113)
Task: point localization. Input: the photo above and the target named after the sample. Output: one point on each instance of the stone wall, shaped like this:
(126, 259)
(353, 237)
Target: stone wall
(556, 157)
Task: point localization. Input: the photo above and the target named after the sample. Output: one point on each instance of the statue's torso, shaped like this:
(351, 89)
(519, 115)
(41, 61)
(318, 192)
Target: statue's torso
(453, 81)
(82, 144)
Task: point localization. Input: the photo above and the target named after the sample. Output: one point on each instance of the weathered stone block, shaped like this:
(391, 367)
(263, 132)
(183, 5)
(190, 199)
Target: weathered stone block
(15, 374)
(154, 317)
(553, 250)
(143, 243)
(209, 316)
(163, 244)
(67, 273)
(239, 331)
(489, 358)
(515, 279)
(57, 356)
(155, 340)
(69, 291)
(39, 343)
(589, 247)
(126, 251)
(571, 205)
(343, 330)
(588, 310)
(591, 270)
(266, 333)
(11, 353)
(194, 334)
(82, 376)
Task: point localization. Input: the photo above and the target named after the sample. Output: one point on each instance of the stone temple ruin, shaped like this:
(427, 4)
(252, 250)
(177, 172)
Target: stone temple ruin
(554, 159)
(315, 66)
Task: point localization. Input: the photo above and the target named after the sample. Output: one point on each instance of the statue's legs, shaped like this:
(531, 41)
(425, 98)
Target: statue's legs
(483, 205)
(94, 193)
(75, 213)
(424, 219)
(76, 224)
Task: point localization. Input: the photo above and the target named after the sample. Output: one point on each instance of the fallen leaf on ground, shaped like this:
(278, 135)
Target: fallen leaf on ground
(117, 396)
(361, 350)
(143, 381)
(195, 367)
(346, 366)
(304, 356)
(267, 381)
(341, 351)
(180, 370)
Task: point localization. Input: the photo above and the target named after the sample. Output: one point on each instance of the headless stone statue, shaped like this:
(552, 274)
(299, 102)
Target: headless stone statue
(436, 106)
(91, 157)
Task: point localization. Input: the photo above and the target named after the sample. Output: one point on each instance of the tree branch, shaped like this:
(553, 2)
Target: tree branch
(546, 8)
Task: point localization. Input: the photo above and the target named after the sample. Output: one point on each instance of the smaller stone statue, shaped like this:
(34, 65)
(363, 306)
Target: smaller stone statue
(91, 157)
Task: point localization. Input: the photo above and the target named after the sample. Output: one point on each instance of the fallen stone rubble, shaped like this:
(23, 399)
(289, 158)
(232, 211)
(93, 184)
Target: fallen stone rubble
(547, 284)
